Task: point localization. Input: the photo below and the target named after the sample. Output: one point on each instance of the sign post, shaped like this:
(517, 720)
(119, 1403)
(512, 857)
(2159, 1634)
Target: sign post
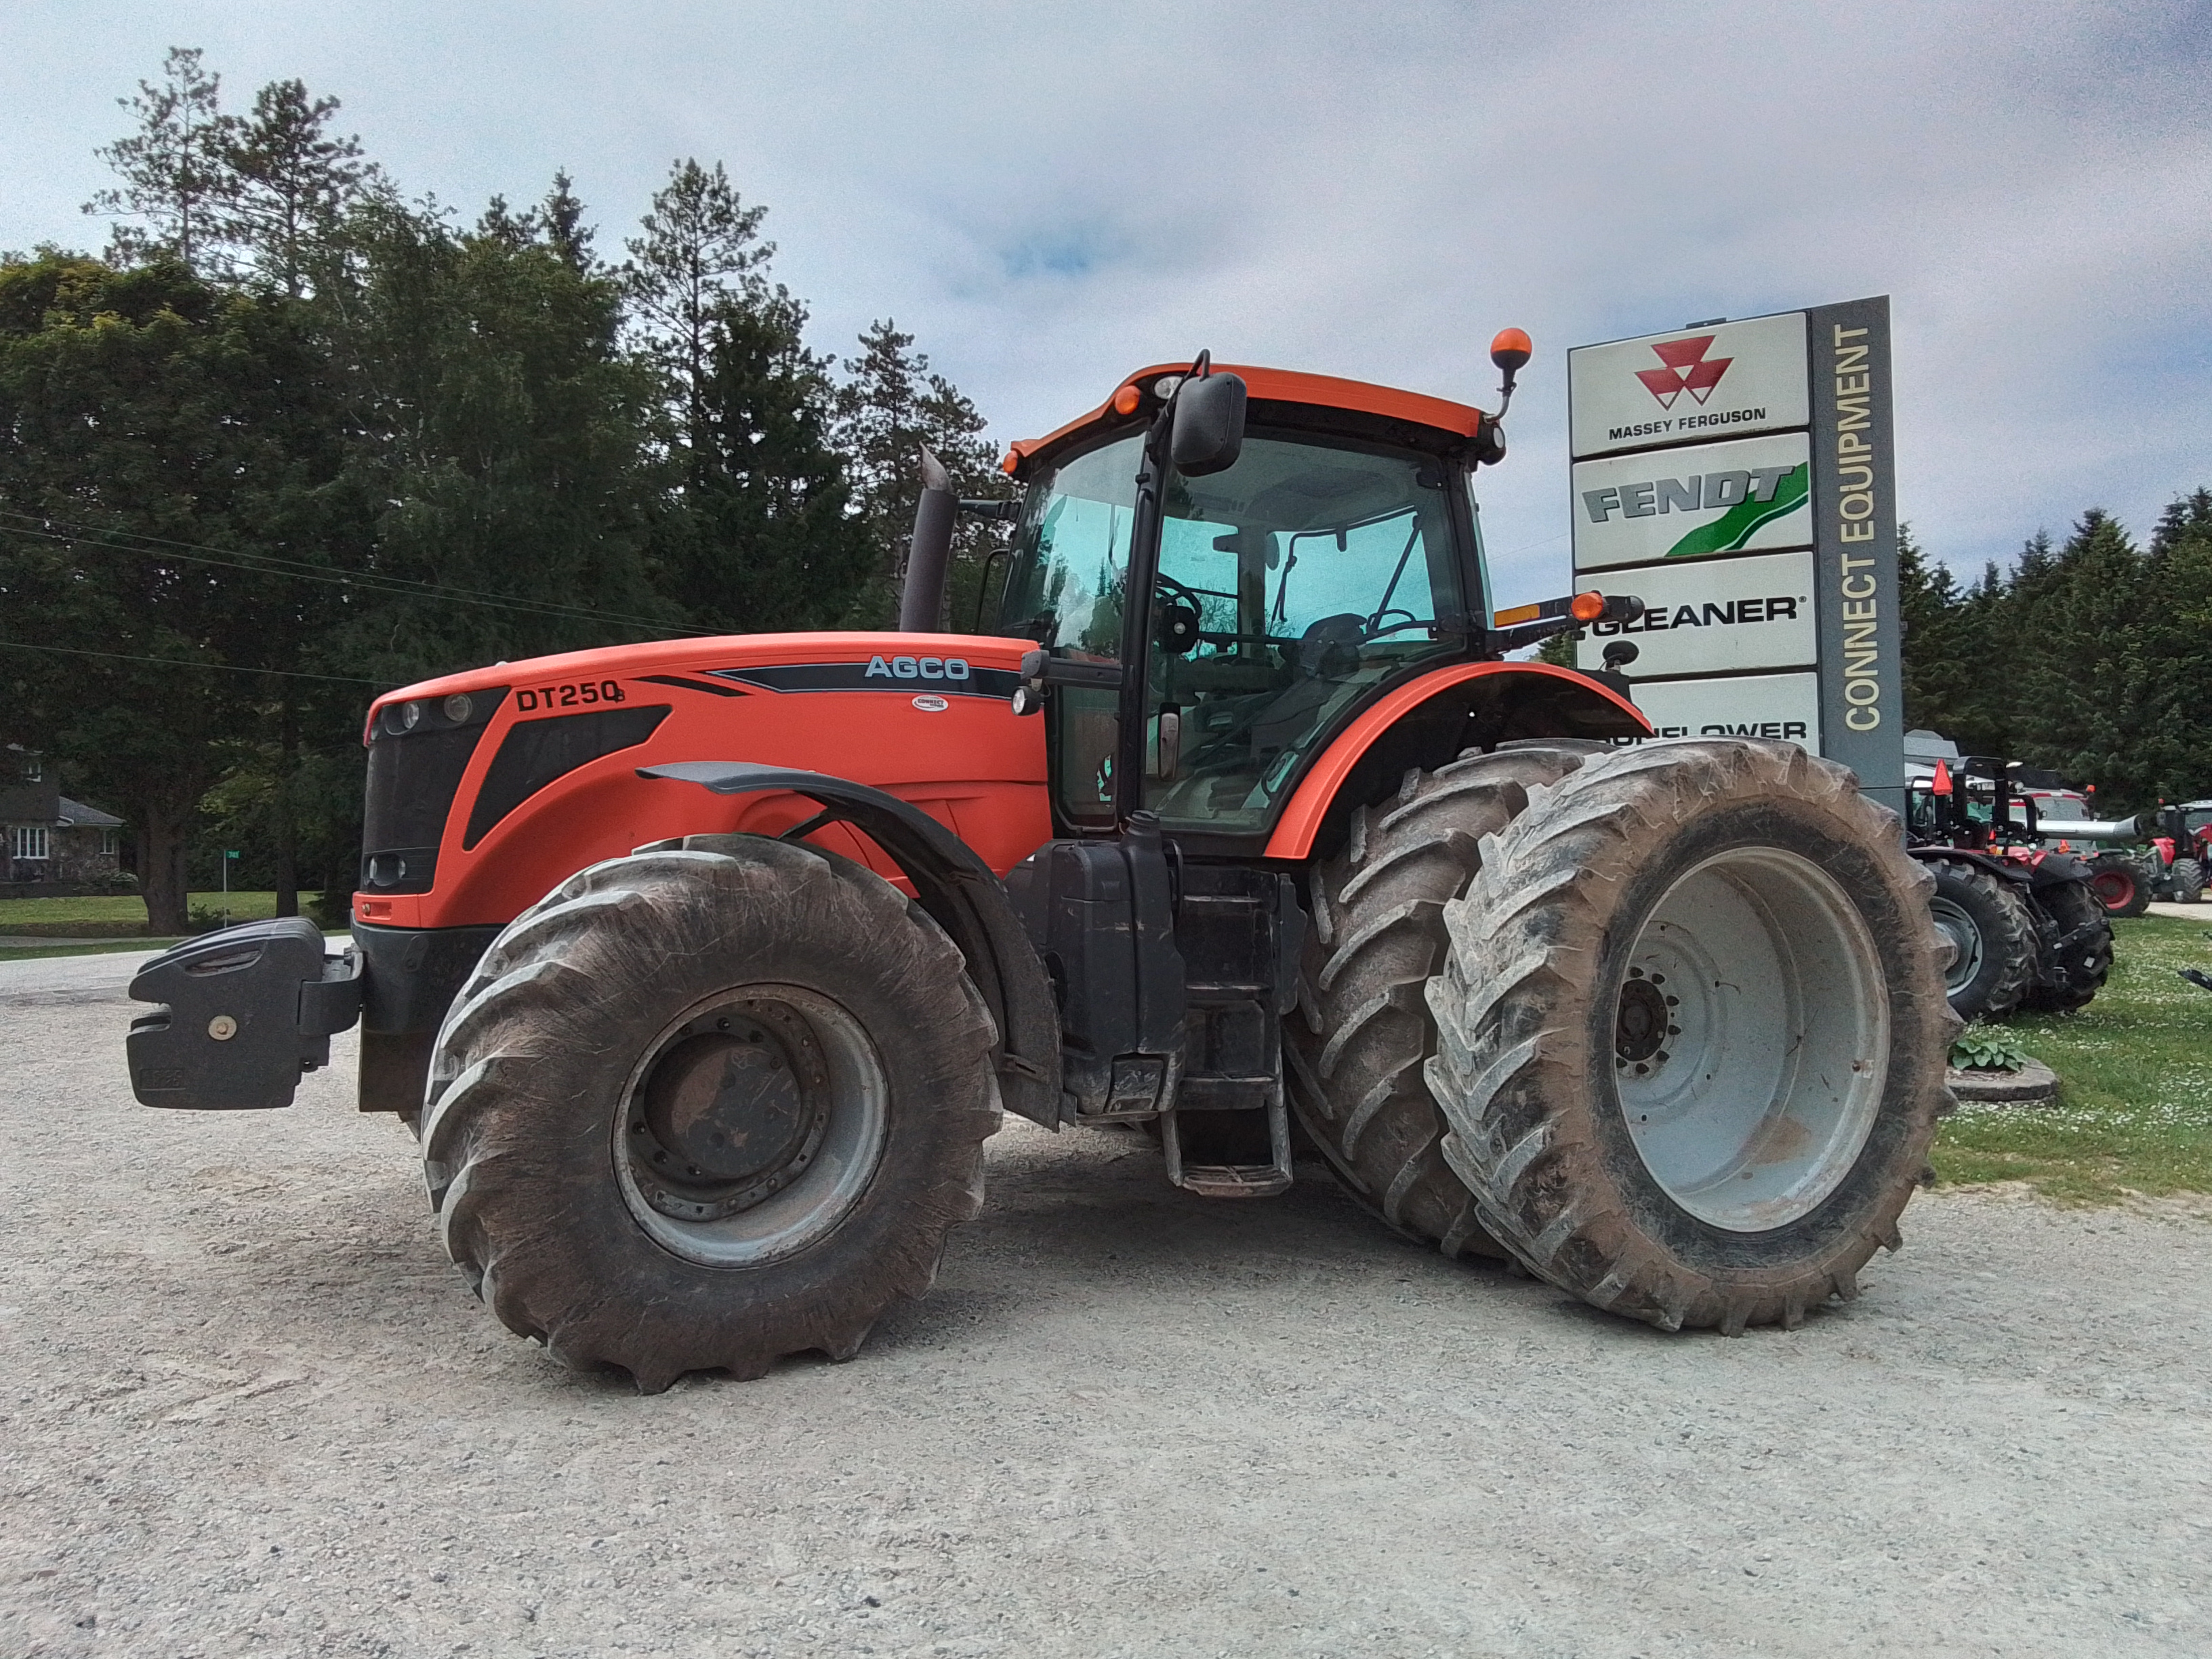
(1738, 478)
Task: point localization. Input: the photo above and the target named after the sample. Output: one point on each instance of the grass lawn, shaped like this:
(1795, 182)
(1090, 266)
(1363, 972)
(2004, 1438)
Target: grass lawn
(2134, 1112)
(116, 913)
(32, 950)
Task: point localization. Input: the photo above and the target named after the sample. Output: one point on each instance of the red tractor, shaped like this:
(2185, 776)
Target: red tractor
(703, 969)
(2026, 926)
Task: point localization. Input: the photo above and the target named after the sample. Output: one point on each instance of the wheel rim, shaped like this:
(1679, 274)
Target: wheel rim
(751, 1126)
(1956, 925)
(1752, 1039)
(2113, 888)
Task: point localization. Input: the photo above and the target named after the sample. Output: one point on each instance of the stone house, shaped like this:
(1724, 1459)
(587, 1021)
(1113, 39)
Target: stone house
(45, 836)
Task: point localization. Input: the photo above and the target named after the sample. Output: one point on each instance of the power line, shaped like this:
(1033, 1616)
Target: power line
(267, 564)
(398, 586)
(119, 540)
(187, 662)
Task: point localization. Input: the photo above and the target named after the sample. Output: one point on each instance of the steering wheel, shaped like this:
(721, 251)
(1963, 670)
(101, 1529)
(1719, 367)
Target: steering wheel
(1176, 624)
(1374, 630)
(1176, 590)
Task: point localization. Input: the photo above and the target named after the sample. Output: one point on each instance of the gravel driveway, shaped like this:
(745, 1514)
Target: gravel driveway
(248, 1409)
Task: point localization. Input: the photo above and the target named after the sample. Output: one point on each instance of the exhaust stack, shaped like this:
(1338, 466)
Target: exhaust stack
(921, 599)
(2089, 828)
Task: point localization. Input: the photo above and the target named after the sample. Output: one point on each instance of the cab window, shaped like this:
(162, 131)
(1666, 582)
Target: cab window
(1289, 586)
(1066, 591)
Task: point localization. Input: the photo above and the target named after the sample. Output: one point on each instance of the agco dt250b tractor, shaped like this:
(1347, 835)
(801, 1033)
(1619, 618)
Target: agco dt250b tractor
(703, 968)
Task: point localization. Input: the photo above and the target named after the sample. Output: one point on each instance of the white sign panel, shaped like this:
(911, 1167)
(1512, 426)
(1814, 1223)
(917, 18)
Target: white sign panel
(1702, 618)
(1727, 381)
(1785, 706)
(1686, 503)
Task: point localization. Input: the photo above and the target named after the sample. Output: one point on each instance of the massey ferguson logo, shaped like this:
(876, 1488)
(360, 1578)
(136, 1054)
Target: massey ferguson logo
(1687, 369)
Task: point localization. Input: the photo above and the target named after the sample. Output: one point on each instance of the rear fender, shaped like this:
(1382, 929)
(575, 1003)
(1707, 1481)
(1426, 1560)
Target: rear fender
(958, 888)
(2011, 870)
(1429, 722)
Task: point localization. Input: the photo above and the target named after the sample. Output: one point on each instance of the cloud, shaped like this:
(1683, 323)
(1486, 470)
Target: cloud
(1048, 197)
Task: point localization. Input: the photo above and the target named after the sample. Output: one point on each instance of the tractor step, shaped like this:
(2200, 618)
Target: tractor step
(1218, 1135)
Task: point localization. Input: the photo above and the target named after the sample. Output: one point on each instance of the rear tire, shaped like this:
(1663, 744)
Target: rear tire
(1364, 1031)
(2077, 953)
(2188, 876)
(1743, 904)
(2116, 881)
(705, 1108)
(1991, 926)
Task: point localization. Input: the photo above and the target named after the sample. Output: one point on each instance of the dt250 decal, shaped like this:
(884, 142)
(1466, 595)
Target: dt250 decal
(577, 694)
(953, 676)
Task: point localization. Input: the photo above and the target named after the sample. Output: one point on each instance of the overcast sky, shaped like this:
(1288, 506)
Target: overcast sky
(1049, 195)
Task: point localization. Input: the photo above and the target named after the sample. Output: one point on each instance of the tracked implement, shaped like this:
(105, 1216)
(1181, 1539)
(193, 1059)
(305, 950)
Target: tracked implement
(703, 969)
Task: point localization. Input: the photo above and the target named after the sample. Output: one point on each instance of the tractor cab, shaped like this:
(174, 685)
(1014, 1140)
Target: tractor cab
(1277, 594)
(1315, 547)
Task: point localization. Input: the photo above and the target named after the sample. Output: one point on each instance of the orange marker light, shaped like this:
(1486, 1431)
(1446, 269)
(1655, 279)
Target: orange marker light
(1126, 399)
(1514, 341)
(1013, 461)
(1586, 607)
(1942, 784)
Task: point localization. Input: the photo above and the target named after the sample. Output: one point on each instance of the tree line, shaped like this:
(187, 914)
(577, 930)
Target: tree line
(295, 439)
(2090, 657)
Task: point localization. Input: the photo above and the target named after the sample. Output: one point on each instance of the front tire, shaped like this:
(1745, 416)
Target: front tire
(2117, 879)
(1994, 941)
(2188, 876)
(705, 1108)
(2077, 950)
(1692, 1033)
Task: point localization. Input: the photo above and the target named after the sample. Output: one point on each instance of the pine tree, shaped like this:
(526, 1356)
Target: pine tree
(891, 406)
(2177, 627)
(1938, 669)
(289, 181)
(2079, 675)
(175, 168)
(700, 251)
(503, 442)
(766, 539)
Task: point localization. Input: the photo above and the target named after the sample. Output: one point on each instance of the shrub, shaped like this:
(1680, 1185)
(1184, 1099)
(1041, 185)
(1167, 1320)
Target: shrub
(1985, 1048)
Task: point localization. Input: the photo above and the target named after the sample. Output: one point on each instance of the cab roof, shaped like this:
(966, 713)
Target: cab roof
(1378, 404)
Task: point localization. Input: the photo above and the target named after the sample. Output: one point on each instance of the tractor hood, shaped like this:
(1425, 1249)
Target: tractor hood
(488, 789)
(956, 664)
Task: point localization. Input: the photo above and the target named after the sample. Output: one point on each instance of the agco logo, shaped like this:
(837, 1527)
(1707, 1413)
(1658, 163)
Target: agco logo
(1687, 369)
(917, 668)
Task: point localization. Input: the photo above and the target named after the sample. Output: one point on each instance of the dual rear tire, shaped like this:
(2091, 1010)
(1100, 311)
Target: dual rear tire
(1669, 1030)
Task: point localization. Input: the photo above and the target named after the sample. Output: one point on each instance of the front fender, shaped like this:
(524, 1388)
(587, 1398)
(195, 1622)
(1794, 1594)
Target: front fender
(1432, 720)
(962, 895)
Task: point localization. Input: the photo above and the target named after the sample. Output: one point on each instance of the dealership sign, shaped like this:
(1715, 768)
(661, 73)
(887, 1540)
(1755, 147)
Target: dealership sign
(1784, 705)
(1746, 613)
(1736, 498)
(1738, 478)
(1723, 380)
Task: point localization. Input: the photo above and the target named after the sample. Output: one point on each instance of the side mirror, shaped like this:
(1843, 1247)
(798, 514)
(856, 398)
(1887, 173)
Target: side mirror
(1208, 432)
